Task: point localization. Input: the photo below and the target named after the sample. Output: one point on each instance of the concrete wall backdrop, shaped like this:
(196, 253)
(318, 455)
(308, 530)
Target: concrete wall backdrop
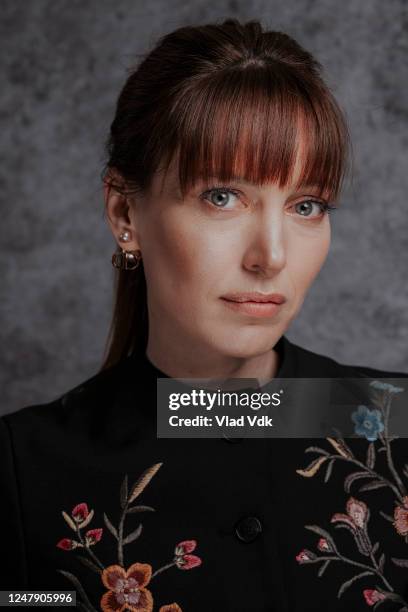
(63, 63)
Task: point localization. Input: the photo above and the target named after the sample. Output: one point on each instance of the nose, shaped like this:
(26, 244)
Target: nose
(266, 253)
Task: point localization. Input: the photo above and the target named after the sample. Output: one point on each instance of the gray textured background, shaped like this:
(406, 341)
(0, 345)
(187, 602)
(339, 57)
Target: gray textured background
(63, 63)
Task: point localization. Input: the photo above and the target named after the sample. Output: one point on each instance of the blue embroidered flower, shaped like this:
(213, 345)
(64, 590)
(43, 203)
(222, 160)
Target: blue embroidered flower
(368, 423)
(383, 386)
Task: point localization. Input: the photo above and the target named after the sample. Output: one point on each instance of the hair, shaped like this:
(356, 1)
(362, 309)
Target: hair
(226, 100)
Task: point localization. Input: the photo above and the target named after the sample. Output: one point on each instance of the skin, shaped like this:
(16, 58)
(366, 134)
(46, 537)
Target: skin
(194, 253)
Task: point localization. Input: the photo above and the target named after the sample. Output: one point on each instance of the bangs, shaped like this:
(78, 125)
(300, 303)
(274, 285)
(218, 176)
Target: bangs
(256, 123)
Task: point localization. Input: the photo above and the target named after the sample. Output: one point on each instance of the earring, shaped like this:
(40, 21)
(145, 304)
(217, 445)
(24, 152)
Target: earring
(124, 236)
(127, 260)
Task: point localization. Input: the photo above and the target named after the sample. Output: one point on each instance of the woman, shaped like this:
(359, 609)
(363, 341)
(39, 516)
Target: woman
(226, 154)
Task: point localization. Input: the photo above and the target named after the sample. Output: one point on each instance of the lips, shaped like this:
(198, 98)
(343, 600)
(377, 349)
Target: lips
(255, 296)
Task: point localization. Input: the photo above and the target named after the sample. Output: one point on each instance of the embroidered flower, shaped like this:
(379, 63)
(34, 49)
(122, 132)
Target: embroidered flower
(182, 558)
(80, 513)
(67, 544)
(92, 536)
(401, 518)
(372, 596)
(323, 545)
(305, 556)
(127, 588)
(357, 514)
(171, 608)
(383, 386)
(368, 422)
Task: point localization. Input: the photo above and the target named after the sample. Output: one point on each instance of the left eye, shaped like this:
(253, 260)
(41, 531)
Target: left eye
(305, 208)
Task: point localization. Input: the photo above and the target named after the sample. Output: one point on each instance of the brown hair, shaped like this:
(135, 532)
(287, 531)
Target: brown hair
(228, 100)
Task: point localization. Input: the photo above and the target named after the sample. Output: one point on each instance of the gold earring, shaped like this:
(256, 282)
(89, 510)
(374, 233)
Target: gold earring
(127, 260)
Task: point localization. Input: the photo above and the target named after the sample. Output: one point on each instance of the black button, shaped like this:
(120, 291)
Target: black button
(248, 528)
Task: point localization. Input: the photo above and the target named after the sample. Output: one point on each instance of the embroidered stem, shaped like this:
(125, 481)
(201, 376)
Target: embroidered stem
(161, 569)
(120, 534)
(370, 568)
(90, 552)
(372, 472)
(387, 444)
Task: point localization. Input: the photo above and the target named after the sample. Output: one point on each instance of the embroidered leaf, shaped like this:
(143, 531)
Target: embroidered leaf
(109, 525)
(381, 562)
(143, 481)
(325, 534)
(124, 492)
(374, 549)
(343, 443)
(79, 588)
(323, 568)
(361, 545)
(133, 536)
(387, 516)
(312, 467)
(89, 564)
(381, 449)
(329, 470)
(348, 481)
(339, 446)
(374, 484)
(140, 509)
(370, 461)
(348, 583)
(316, 449)
(400, 562)
(87, 520)
(69, 520)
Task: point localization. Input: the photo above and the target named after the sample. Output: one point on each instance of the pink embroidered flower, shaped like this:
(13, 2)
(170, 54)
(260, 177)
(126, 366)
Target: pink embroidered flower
(80, 512)
(357, 514)
(67, 544)
(184, 560)
(305, 556)
(171, 608)
(92, 536)
(127, 588)
(323, 545)
(401, 518)
(372, 596)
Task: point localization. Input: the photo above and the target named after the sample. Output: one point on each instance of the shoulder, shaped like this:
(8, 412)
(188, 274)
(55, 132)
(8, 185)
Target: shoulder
(81, 401)
(313, 364)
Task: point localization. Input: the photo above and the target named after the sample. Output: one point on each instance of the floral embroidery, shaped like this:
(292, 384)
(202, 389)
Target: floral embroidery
(126, 587)
(368, 423)
(373, 426)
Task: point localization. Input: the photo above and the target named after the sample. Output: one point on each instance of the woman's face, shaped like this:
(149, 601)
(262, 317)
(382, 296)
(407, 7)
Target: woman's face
(209, 244)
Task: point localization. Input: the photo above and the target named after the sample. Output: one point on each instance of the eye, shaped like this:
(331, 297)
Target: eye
(220, 197)
(305, 208)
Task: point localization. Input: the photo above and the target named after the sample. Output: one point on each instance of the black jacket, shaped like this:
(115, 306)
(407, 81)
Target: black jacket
(93, 501)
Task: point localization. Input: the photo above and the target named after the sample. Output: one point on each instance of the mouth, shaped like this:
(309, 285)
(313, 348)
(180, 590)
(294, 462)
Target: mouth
(255, 297)
(254, 307)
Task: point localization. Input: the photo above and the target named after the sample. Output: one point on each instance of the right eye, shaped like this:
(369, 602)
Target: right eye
(219, 197)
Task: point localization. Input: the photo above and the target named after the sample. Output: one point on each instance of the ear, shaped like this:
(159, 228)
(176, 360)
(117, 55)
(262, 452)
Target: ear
(118, 211)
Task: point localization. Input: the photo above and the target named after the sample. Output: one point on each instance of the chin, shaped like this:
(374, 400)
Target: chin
(247, 345)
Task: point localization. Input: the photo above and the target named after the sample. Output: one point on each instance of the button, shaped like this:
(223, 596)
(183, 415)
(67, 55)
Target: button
(248, 528)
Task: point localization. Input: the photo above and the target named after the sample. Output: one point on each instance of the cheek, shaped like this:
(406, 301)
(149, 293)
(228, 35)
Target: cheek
(307, 257)
(185, 258)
